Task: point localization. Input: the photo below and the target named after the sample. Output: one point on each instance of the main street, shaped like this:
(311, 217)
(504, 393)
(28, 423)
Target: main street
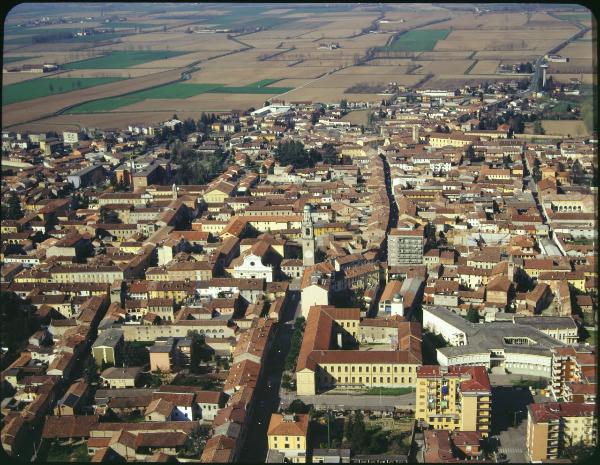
(267, 392)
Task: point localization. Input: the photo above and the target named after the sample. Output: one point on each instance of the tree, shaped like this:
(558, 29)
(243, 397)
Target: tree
(473, 315)
(14, 207)
(344, 104)
(314, 118)
(320, 256)
(329, 154)
(293, 153)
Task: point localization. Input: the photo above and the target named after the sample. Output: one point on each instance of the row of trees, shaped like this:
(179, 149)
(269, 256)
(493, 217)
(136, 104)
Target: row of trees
(290, 360)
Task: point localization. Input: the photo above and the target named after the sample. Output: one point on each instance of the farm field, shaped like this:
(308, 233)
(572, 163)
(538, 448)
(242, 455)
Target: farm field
(290, 52)
(117, 60)
(418, 40)
(176, 91)
(43, 87)
(485, 67)
(8, 60)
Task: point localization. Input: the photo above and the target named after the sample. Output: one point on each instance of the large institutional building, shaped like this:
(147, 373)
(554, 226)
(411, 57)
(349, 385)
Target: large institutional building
(459, 398)
(324, 364)
(522, 347)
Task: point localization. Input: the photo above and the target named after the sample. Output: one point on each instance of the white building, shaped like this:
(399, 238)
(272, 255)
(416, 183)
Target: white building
(253, 268)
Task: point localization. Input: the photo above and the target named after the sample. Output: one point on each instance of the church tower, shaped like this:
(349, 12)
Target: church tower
(308, 238)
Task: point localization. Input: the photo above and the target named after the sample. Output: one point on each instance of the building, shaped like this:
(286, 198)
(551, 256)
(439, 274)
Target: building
(288, 435)
(108, 346)
(459, 398)
(405, 246)
(552, 426)
(308, 237)
(499, 346)
(119, 378)
(324, 364)
(86, 176)
(574, 369)
(162, 354)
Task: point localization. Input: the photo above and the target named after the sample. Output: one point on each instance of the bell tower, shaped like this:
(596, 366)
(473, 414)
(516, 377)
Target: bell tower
(308, 237)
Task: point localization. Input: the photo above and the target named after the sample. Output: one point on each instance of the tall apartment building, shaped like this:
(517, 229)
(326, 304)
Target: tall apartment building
(574, 374)
(405, 246)
(459, 399)
(552, 426)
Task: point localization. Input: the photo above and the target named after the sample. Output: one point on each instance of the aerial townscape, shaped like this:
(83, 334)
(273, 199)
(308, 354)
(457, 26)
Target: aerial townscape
(299, 233)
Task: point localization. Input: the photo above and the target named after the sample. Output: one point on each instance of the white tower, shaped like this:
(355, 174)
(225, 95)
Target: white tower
(174, 191)
(308, 238)
(544, 68)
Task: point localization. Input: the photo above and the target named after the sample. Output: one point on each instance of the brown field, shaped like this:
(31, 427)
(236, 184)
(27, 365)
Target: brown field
(563, 128)
(13, 78)
(440, 66)
(450, 55)
(575, 66)
(485, 67)
(102, 120)
(375, 71)
(357, 116)
(449, 82)
(579, 49)
(565, 78)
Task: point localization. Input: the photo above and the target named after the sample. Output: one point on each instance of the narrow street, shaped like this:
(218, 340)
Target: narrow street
(267, 395)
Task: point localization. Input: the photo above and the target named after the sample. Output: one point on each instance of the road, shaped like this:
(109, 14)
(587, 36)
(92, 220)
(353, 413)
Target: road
(509, 420)
(267, 398)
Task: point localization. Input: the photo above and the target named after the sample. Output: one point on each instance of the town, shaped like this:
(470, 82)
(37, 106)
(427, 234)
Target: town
(411, 279)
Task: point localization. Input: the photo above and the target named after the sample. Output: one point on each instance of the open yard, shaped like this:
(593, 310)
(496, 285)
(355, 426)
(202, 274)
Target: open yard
(122, 59)
(43, 87)
(565, 127)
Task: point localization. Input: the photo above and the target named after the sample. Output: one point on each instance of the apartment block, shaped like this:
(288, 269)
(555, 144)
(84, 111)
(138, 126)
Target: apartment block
(458, 399)
(405, 246)
(552, 426)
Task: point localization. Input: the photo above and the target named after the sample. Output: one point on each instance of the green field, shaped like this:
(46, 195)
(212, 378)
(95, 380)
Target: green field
(121, 59)
(375, 391)
(23, 38)
(422, 40)
(7, 60)
(575, 17)
(177, 90)
(42, 87)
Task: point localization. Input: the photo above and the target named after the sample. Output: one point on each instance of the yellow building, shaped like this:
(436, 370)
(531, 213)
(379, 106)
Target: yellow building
(219, 193)
(287, 434)
(457, 399)
(323, 364)
(552, 426)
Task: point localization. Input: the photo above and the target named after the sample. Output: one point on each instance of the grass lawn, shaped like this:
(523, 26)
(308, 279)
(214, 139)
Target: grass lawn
(177, 90)
(43, 87)
(592, 338)
(388, 391)
(57, 453)
(7, 60)
(122, 59)
(422, 40)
